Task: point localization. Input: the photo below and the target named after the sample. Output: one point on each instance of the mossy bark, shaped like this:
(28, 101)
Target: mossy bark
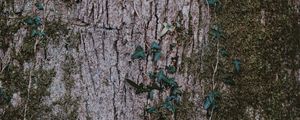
(78, 69)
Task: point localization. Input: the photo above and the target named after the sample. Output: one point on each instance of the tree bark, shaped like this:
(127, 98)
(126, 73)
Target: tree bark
(93, 60)
(78, 69)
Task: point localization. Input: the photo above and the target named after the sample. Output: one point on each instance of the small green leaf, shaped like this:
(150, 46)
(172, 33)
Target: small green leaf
(37, 33)
(33, 33)
(157, 56)
(223, 52)
(212, 2)
(171, 69)
(37, 20)
(210, 100)
(175, 91)
(151, 95)
(155, 46)
(139, 53)
(167, 27)
(176, 98)
(169, 106)
(170, 82)
(151, 110)
(237, 65)
(39, 6)
(216, 32)
(152, 75)
(161, 76)
(29, 21)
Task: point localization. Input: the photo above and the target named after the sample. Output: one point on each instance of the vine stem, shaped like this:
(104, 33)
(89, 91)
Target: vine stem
(28, 91)
(212, 112)
(216, 67)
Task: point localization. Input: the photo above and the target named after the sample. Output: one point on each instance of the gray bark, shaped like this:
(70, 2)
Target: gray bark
(93, 60)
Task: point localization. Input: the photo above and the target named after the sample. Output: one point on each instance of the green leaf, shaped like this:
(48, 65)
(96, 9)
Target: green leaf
(170, 82)
(167, 27)
(237, 65)
(171, 69)
(152, 75)
(176, 98)
(210, 100)
(37, 20)
(155, 46)
(39, 6)
(212, 2)
(33, 33)
(157, 56)
(29, 21)
(175, 91)
(169, 106)
(151, 110)
(139, 53)
(216, 32)
(223, 52)
(37, 33)
(151, 95)
(161, 76)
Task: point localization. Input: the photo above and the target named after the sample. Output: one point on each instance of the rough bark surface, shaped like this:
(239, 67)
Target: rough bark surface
(78, 70)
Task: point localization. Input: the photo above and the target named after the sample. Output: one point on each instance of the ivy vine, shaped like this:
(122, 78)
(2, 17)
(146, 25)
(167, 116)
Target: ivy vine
(210, 103)
(160, 80)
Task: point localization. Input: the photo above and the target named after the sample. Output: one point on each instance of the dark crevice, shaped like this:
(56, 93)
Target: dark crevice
(103, 45)
(117, 55)
(157, 19)
(114, 96)
(89, 66)
(107, 12)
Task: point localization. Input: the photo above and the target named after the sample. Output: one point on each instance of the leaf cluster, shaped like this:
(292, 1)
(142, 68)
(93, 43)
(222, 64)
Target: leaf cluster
(35, 22)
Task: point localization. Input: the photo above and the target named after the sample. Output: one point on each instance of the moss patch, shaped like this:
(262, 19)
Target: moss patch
(14, 79)
(269, 54)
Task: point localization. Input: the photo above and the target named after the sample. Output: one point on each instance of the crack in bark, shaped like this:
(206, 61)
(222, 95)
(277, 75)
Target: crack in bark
(103, 45)
(107, 14)
(114, 96)
(89, 67)
(157, 19)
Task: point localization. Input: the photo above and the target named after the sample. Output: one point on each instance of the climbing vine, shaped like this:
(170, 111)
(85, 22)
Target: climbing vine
(211, 101)
(160, 81)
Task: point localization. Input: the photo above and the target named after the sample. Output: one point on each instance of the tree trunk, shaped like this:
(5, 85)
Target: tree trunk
(78, 69)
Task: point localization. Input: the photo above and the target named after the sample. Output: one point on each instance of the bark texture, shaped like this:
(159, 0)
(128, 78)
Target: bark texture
(90, 45)
(78, 70)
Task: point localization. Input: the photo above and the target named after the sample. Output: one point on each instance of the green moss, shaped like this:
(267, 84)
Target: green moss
(69, 107)
(69, 67)
(68, 104)
(267, 52)
(186, 108)
(55, 30)
(70, 3)
(7, 30)
(26, 52)
(15, 80)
